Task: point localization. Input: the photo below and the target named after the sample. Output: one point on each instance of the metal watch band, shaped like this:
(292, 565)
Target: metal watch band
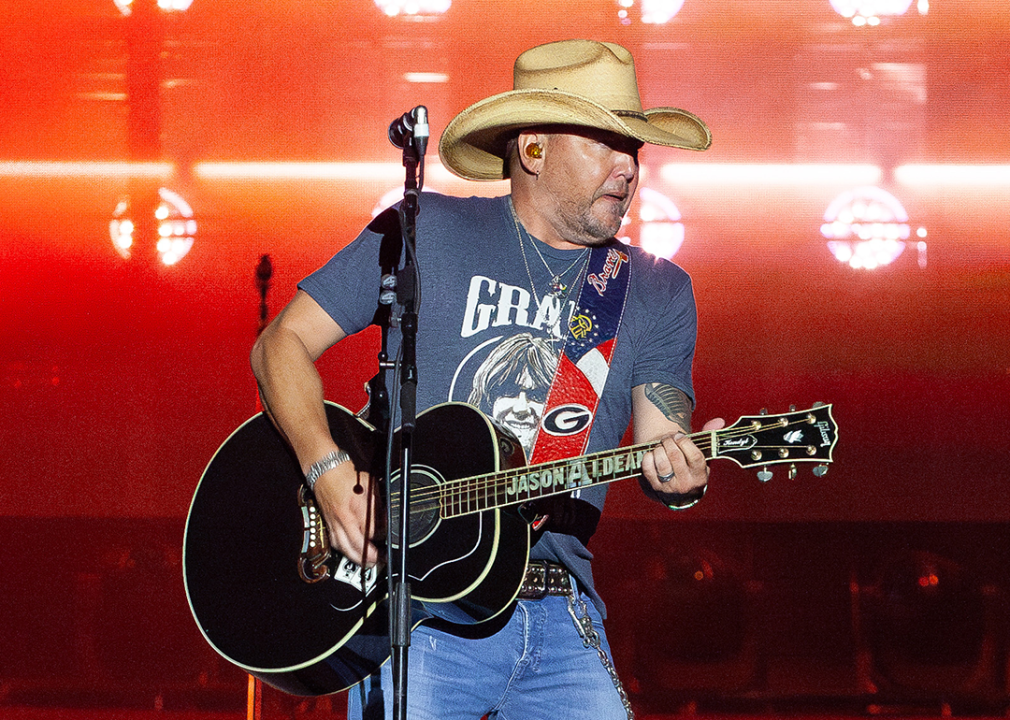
(325, 465)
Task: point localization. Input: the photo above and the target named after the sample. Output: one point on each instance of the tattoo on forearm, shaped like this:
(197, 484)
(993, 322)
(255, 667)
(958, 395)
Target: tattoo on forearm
(672, 402)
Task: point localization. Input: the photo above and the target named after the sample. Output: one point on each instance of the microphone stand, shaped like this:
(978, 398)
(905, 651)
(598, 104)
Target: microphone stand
(409, 132)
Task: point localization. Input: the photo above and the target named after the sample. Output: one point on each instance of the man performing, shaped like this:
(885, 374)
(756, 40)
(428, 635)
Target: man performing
(523, 291)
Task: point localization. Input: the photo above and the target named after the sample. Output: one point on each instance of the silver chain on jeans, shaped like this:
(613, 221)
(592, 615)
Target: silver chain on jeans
(591, 638)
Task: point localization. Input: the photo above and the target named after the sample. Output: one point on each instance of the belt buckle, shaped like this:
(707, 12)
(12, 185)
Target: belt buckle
(557, 582)
(534, 585)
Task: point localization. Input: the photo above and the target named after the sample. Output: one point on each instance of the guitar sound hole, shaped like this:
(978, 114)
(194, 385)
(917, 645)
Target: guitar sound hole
(424, 504)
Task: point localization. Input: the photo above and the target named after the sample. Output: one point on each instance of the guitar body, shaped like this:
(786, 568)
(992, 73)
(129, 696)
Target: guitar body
(249, 532)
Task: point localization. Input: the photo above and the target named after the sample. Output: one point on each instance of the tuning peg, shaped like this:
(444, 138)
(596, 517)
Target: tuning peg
(764, 474)
(818, 404)
(820, 470)
(792, 408)
(764, 411)
(792, 471)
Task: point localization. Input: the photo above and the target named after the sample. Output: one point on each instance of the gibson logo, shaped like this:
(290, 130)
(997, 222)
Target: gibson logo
(825, 429)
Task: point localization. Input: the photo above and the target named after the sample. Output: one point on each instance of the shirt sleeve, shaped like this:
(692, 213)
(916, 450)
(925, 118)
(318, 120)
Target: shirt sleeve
(347, 286)
(666, 351)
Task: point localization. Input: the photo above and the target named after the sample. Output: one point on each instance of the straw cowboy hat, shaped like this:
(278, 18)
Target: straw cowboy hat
(572, 82)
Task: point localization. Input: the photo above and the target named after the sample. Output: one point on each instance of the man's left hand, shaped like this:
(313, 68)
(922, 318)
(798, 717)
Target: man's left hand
(676, 466)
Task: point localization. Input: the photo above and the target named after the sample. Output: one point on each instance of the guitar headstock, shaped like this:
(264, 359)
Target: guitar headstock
(797, 436)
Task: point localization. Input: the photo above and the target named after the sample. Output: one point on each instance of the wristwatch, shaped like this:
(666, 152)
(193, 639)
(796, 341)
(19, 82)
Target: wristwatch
(337, 457)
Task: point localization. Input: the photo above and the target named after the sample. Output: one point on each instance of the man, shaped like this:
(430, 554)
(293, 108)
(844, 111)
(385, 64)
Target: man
(541, 262)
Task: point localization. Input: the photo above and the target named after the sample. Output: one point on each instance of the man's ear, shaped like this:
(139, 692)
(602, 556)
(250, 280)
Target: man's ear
(531, 152)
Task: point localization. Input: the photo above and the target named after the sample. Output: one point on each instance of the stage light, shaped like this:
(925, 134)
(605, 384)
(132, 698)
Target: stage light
(322, 171)
(413, 8)
(866, 228)
(57, 169)
(172, 219)
(652, 12)
(660, 231)
(708, 645)
(429, 78)
(953, 175)
(868, 13)
(168, 6)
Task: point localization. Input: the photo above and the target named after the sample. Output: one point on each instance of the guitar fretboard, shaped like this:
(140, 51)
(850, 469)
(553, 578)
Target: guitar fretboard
(514, 487)
(804, 436)
(481, 493)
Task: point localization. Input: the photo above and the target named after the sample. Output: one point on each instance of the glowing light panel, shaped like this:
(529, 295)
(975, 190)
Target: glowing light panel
(413, 8)
(868, 12)
(660, 231)
(426, 77)
(297, 171)
(126, 6)
(54, 169)
(175, 223)
(866, 228)
(653, 12)
(952, 174)
(757, 174)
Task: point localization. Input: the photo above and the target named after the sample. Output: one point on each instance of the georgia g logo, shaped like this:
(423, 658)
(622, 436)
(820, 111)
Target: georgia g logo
(567, 420)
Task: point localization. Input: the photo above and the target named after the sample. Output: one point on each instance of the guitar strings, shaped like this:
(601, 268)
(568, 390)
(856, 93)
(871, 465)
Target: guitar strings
(702, 440)
(469, 490)
(479, 483)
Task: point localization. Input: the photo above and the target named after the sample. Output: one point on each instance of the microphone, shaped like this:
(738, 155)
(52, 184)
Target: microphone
(411, 127)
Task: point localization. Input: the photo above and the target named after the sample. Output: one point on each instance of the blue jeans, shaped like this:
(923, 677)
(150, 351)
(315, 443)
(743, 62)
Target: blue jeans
(536, 668)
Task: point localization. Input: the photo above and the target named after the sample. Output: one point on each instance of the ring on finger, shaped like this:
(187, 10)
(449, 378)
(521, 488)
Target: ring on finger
(668, 477)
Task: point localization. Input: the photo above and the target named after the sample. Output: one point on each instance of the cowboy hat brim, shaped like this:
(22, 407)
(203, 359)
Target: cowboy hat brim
(473, 144)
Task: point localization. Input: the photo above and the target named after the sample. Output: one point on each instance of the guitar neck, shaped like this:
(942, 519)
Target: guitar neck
(760, 440)
(521, 485)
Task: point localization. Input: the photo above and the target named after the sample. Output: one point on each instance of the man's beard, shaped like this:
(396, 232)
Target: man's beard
(589, 230)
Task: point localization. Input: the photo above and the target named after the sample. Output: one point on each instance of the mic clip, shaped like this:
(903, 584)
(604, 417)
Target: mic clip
(412, 128)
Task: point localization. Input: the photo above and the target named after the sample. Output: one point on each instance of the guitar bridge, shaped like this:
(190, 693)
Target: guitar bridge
(314, 558)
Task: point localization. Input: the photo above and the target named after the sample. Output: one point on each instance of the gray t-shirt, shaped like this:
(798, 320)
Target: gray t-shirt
(483, 297)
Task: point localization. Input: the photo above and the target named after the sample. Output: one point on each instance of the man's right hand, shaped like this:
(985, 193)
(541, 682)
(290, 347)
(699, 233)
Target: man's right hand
(355, 519)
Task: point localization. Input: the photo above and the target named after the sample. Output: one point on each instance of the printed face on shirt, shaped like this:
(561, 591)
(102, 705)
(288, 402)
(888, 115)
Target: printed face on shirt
(511, 384)
(520, 407)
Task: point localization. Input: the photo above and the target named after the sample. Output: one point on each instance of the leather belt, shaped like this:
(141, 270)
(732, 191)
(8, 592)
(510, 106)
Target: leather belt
(544, 578)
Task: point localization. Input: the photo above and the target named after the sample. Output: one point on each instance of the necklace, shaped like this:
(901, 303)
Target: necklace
(557, 284)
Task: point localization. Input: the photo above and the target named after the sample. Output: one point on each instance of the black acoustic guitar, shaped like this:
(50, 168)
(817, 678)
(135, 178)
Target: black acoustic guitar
(270, 596)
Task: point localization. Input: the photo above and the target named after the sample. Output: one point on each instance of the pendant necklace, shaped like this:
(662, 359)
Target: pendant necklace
(558, 287)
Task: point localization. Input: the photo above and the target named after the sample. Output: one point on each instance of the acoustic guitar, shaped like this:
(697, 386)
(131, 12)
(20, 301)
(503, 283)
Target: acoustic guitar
(271, 596)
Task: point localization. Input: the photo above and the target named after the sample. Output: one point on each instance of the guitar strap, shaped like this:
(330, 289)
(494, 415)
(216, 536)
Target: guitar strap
(581, 375)
(584, 363)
